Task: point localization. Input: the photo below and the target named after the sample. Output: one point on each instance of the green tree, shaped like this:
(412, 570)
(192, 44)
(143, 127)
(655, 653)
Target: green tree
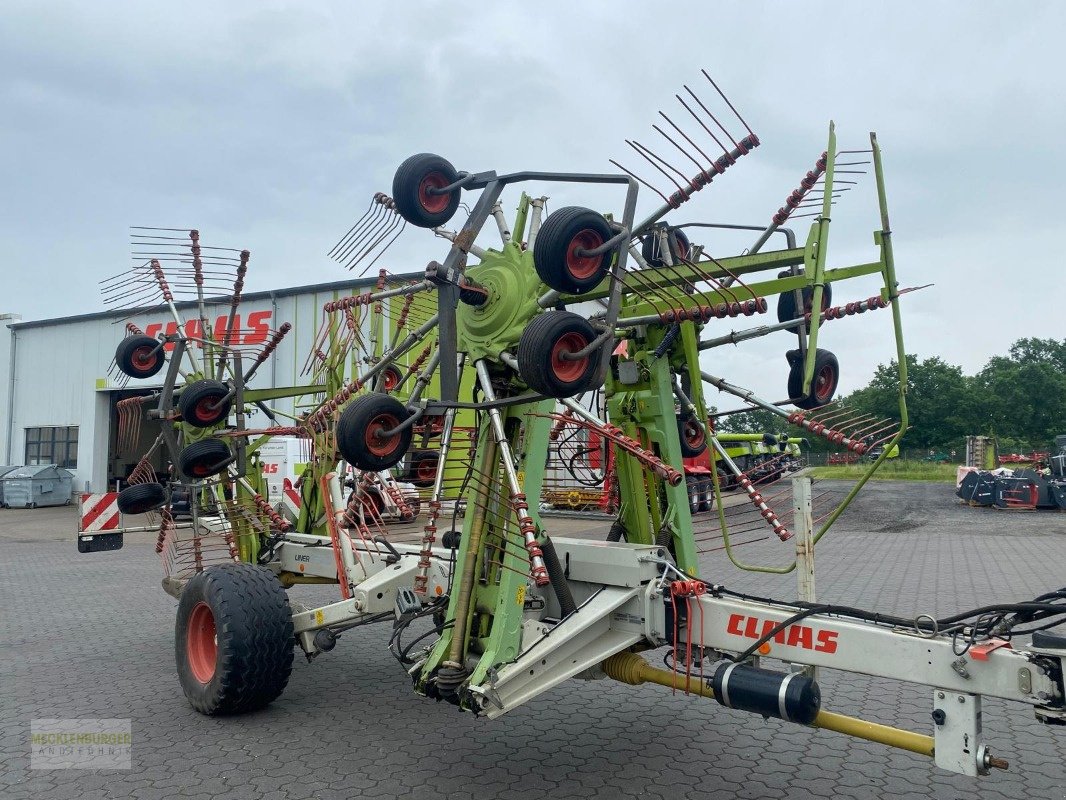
(1020, 397)
(943, 404)
(756, 421)
(1025, 392)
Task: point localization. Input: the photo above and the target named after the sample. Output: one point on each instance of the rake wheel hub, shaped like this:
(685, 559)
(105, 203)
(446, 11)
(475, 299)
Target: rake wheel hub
(513, 288)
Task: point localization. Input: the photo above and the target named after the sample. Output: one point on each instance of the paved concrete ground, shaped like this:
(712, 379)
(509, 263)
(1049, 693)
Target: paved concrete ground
(92, 636)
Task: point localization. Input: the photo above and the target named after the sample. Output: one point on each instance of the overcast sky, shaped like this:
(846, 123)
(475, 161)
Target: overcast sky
(268, 125)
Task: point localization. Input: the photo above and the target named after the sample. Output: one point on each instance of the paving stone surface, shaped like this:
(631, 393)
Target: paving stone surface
(92, 636)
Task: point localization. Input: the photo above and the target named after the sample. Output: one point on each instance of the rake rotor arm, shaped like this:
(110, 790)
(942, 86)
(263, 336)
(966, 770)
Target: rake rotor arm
(658, 278)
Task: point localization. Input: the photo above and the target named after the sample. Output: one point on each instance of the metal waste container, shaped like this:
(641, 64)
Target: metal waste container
(4, 471)
(36, 486)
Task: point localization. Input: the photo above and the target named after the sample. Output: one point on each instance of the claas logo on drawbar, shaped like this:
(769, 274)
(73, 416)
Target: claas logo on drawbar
(819, 640)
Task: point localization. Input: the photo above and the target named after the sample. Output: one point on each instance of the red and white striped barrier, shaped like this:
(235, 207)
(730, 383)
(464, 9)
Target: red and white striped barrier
(290, 499)
(291, 494)
(98, 512)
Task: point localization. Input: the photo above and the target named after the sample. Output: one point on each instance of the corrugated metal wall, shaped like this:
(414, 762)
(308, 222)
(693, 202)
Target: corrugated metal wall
(59, 374)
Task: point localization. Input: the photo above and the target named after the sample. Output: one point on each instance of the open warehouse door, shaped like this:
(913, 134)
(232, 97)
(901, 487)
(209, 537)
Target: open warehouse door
(128, 441)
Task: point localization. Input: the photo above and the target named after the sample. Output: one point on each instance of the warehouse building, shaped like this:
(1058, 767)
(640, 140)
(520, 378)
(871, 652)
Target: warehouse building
(60, 390)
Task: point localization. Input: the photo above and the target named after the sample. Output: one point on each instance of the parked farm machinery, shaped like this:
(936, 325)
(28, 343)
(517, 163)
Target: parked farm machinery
(1035, 481)
(573, 321)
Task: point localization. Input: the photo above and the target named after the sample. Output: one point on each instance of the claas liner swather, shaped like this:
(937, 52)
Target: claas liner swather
(457, 380)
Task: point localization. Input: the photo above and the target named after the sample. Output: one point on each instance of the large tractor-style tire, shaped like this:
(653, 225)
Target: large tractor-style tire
(415, 190)
(556, 252)
(204, 403)
(690, 433)
(139, 356)
(824, 385)
(545, 342)
(204, 458)
(141, 497)
(360, 429)
(651, 248)
(233, 640)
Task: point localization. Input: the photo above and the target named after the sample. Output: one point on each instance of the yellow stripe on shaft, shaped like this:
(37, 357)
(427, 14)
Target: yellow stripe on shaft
(634, 670)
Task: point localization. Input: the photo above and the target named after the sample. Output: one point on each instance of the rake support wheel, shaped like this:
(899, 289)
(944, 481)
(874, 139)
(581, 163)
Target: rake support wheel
(651, 248)
(139, 356)
(542, 351)
(423, 469)
(204, 403)
(786, 301)
(204, 458)
(691, 435)
(558, 253)
(141, 497)
(416, 189)
(824, 385)
(390, 378)
(361, 432)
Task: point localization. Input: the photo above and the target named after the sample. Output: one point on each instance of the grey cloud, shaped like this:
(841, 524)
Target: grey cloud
(269, 126)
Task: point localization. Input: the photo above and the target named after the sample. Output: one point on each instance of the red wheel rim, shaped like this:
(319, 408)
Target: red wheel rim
(201, 643)
(824, 383)
(201, 469)
(205, 410)
(433, 203)
(377, 445)
(583, 267)
(390, 379)
(693, 434)
(427, 469)
(566, 370)
(372, 503)
(144, 358)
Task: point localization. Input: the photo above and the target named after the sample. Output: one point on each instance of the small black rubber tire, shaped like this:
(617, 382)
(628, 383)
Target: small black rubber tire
(543, 341)
(141, 497)
(554, 257)
(358, 425)
(413, 177)
(706, 494)
(196, 399)
(692, 485)
(786, 301)
(422, 471)
(252, 629)
(390, 378)
(825, 383)
(204, 458)
(690, 434)
(680, 248)
(133, 359)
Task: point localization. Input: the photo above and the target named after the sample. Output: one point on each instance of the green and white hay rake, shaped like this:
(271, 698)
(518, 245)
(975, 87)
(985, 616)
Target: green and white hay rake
(476, 368)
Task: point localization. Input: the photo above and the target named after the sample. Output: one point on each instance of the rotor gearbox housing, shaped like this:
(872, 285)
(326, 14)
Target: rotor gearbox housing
(513, 288)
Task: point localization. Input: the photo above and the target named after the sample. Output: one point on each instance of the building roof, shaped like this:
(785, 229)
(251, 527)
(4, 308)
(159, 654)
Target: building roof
(314, 288)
